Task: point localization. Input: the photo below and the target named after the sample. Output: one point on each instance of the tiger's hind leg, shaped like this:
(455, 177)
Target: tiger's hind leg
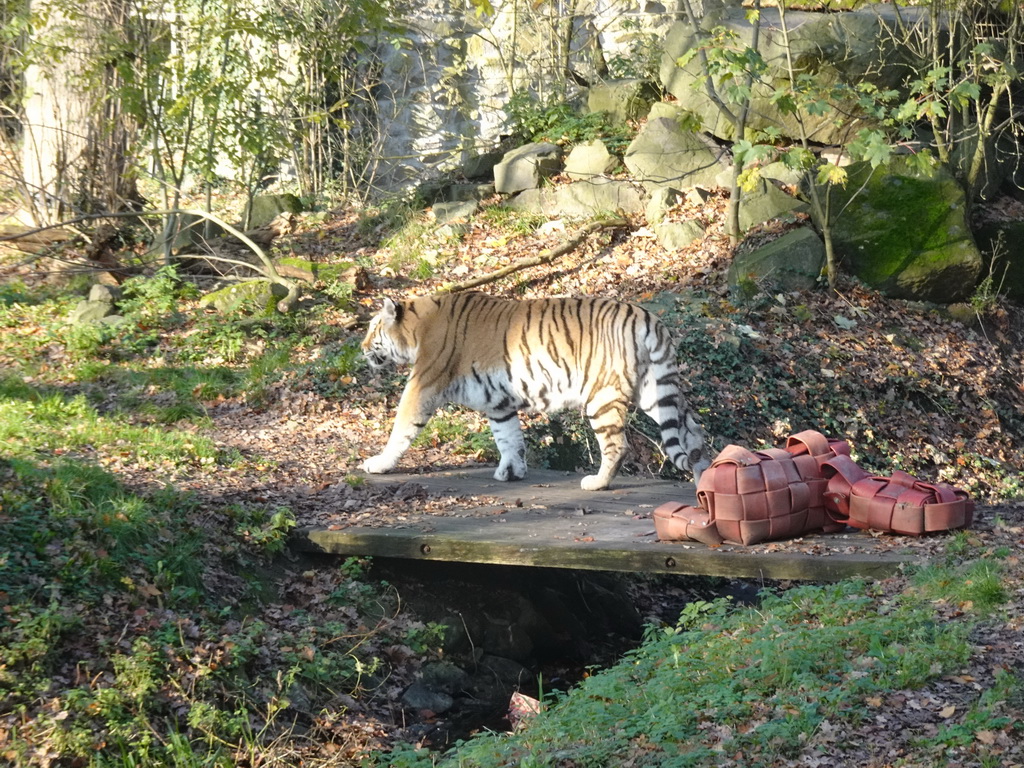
(682, 436)
(608, 419)
(508, 436)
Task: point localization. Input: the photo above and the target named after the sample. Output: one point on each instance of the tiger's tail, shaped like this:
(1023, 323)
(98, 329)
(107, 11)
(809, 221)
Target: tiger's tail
(661, 397)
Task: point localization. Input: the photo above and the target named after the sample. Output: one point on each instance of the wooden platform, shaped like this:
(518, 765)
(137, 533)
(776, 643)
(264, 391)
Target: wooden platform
(548, 521)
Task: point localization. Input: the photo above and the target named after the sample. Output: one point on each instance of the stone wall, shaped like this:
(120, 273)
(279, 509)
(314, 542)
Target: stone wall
(445, 86)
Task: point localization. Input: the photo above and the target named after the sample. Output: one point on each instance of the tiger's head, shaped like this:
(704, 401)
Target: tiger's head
(387, 341)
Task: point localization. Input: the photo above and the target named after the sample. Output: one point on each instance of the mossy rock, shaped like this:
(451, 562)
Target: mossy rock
(263, 209)
(793, 262)
(91, 312)
(311, 271)
(192, 232)
(903, 230)
(255, 296)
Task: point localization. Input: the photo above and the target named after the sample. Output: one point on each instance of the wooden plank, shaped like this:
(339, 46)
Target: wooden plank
(548, 521)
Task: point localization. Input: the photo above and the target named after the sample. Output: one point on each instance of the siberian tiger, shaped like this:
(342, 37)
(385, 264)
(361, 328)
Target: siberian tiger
(501, 356)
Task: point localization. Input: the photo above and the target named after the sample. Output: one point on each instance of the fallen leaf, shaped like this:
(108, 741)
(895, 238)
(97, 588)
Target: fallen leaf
(844, 322)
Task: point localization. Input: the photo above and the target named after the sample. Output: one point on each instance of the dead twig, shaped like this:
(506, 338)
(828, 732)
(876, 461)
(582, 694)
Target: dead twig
(544, 257)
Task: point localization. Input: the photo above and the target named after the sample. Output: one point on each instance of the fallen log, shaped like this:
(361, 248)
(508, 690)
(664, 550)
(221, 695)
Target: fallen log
(32, 239)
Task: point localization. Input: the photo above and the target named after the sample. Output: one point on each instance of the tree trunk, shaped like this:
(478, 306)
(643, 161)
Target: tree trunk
(75, 137)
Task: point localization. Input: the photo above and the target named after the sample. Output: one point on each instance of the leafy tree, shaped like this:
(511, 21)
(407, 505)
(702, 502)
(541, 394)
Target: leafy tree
(187, 90)
(969, 95)
(966, 98)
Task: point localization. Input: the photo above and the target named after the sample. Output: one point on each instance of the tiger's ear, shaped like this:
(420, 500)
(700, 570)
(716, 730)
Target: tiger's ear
(391, 311)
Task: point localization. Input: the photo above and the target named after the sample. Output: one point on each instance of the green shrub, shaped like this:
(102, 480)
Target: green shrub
(560, 123)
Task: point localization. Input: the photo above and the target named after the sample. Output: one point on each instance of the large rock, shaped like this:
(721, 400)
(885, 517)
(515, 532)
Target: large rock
(447, 190)
(673, 235)
(662, 199)
(589, 159)
(421, 698)
(99, 307)
(91, 312)
(793, 262)
(844, 47)
(192, 231)
(480, 166)
(905, 232)
(451, 213)
(665, 155)
(263, 209)
(582, 199)
(623, 100)
(526, 167)
(261, 296)
(110, 294)
(767, 202)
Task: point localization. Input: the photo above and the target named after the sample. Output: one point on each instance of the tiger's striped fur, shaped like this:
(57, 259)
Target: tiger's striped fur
(501, 356)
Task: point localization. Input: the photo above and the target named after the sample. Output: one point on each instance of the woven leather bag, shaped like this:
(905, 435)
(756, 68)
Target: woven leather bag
(898, 504)
(675, 521)
(808, 446)
(752, 496)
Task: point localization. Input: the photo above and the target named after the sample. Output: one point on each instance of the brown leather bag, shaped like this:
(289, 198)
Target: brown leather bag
(898, 504)
(675, 521)
(748, 497)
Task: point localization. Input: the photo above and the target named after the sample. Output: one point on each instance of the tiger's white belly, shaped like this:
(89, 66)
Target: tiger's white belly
(496, 391)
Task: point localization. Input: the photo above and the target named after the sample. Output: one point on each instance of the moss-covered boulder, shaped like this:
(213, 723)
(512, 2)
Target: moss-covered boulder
(255, 296)
(91, 312)
(904, 231)
(313, 271)
(263, 209)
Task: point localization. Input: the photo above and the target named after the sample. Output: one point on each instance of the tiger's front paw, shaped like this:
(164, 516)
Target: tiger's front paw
(594, 483)
(378, 464)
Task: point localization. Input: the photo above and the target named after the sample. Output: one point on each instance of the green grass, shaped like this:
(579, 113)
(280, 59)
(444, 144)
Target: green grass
(753, 681)
(511, 221)
(34, 420)
(120, 612)
(141, 625)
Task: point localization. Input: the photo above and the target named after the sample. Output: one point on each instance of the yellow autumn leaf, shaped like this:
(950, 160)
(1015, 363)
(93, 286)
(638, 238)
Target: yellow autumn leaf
(830, 173)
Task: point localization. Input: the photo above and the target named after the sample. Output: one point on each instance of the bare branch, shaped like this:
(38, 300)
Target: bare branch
(544, 257)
